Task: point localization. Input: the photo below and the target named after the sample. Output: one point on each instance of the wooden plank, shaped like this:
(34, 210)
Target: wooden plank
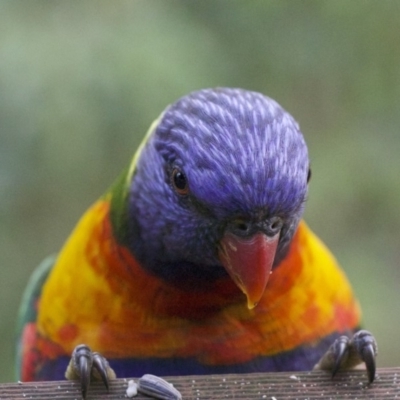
(270, 386)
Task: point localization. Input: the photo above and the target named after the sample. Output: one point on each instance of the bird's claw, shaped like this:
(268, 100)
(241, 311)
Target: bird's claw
(367, 349)
(85, 364)
(101, 366)
(347, 353)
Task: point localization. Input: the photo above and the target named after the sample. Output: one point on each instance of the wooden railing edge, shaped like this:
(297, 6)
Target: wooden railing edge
(272, 386)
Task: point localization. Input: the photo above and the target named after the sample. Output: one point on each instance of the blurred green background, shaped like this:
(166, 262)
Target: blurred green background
(81, 81)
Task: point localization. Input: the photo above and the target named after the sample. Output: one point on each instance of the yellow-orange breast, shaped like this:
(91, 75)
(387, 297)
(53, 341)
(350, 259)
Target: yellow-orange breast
(98, 294)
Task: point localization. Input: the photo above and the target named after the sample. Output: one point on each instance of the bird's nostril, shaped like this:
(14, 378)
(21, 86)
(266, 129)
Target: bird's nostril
(275, 224)
(246, 227)
(241, 225)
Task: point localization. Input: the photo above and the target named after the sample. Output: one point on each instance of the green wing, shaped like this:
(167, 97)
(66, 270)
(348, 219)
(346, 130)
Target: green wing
(28, 308)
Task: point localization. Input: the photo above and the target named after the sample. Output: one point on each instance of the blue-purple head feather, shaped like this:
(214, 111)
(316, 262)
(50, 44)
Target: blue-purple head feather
(242, 157)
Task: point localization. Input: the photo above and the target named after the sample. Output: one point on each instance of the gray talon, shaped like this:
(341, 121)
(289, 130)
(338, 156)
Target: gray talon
(367, 349)
(101, 365)
(82, 362)
(341, 350)
(86, 365)
(368, 356)
(347, 353)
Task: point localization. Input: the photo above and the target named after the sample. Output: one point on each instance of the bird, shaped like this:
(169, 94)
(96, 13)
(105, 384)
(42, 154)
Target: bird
(197, 260)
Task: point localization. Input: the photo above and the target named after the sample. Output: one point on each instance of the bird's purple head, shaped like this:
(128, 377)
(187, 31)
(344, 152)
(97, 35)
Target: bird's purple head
(219, 160)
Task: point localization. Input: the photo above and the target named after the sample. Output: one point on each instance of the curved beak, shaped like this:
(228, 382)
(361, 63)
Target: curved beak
(248, 261)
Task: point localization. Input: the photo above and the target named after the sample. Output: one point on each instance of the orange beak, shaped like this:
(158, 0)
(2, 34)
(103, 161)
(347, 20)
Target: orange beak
(249, 261)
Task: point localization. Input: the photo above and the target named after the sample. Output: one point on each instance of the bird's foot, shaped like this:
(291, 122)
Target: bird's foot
(86, 365)
(347, 353)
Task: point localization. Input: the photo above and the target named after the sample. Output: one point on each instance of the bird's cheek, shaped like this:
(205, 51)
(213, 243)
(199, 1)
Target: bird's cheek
(249, 261)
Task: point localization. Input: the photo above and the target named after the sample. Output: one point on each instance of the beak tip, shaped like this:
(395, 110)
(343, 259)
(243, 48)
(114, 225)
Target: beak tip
(253, 301)
(251, 305)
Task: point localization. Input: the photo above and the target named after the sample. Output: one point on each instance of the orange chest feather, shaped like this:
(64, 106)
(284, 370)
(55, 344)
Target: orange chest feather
(99, 295)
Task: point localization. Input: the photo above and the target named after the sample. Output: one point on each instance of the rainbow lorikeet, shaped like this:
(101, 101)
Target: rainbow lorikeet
(197, 261)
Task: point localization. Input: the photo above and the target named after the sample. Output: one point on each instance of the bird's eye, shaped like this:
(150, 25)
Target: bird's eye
(179, 182)
(309, 175)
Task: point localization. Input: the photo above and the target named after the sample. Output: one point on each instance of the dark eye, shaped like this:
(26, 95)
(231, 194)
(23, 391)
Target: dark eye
(179, 182)
(309, 175)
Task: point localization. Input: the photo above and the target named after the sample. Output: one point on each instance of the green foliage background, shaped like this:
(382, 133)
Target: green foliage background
(80, 82)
